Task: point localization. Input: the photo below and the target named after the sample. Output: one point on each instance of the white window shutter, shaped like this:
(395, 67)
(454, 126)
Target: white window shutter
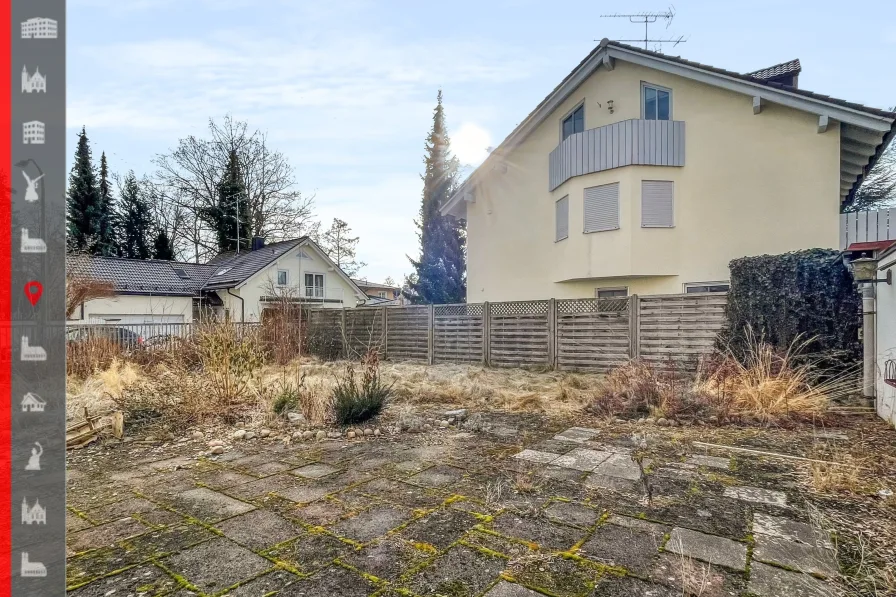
(657, 204)
(561, 215)
(602, 208)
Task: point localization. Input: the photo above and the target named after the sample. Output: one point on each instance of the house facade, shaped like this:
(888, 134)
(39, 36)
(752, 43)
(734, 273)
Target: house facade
(237, 287)
(643, 173)
(380, 294)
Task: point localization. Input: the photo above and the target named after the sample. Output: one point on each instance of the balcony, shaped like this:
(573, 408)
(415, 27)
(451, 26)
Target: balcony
(305, 294)
(625, 143)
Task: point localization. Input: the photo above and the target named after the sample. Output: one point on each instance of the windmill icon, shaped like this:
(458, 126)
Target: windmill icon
(32, 194)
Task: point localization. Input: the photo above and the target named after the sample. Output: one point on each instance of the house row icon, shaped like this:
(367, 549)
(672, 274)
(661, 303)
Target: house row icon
(33, 403)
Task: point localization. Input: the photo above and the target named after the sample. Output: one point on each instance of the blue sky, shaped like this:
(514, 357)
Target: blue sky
(346, 89)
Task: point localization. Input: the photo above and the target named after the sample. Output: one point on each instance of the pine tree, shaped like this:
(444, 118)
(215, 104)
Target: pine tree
(341, 246)
(83, 205)
(440, 273)
(232, 208)
(161, 247)
(107, 224)
(136, 220)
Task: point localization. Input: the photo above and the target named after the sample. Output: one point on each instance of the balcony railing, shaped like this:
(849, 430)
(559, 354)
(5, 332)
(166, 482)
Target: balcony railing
(867, 226)
(320, 293)
(625, 143)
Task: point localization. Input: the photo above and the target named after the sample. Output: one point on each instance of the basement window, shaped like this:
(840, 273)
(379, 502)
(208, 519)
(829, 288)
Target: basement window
(697, 287)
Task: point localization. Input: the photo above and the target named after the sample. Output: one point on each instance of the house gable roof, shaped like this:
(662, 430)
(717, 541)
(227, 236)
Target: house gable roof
(233, 269)
(142, 276)
(871, 128)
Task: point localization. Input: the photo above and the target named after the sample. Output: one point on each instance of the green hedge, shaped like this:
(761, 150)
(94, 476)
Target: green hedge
(803, 294)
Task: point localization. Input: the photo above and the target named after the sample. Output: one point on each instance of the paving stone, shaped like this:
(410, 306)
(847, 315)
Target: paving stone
(210, 506)
(621, 466)
(577, 434)
(536, 456)
(121, 509)
(618, 484)
(572, 514)
(259, 529)
(438, 476)
(460, 572)
(334, 581)
(224, 478)
(778, 526)
(88, 566)
(305, 493)
(757, 495)
(710, 461)
(768, 581)
(582, 459)
(708, 548)
(555, 575)
(310, 552)
(627, 542)
(507, 589)
(105, 535)
(387, 559)
(217, 564)
(692, 578)
(406, 494)
(264, 585)
(160, 542)
(149, 579)
(73, 522)
(545, 535)
(796, 556)
(554, 446)
(320, 513)
(559, 473)
(440, 528)
(261, 487)
(159, 518)
(627, 586)
(372, 523)
(314, 471)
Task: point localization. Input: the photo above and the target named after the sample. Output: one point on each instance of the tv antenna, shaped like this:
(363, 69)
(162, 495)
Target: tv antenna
(647, 18)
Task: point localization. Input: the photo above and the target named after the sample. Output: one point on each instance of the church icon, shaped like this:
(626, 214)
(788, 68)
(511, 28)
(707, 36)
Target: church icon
(33, 514)
(36, 83)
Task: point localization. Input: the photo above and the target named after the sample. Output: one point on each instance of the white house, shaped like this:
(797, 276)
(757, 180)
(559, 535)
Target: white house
(232, 286)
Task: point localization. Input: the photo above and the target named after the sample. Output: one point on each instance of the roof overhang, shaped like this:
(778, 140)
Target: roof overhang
(865, 134)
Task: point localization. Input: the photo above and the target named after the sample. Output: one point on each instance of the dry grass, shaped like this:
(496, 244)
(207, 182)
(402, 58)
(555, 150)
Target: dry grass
(842, 472)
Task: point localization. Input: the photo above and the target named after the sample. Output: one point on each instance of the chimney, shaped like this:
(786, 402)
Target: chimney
(257, 242)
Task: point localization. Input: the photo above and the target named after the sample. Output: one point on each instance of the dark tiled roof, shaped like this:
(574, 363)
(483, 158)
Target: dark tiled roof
(232, 269)
(138, 276)
(791, 67)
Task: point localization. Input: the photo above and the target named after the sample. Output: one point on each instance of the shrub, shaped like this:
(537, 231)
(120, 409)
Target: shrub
(355, 402)
(782, 298)
(230, 359)
(323, 342)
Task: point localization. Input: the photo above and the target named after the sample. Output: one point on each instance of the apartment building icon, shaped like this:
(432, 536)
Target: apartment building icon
(33, 132)
(33, 514)
(33, 83)
(40, 28)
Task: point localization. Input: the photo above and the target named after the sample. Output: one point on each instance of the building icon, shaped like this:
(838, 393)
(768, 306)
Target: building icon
(33, 132)
(33, 403)
(33, 514)
(33, 83)
(32, 569)
(32, 245)
(40, 28)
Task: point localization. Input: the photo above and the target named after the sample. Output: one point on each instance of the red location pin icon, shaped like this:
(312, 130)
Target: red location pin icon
(33, 290)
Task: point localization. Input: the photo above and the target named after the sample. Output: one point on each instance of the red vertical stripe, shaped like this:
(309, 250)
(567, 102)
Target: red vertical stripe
(5, 298)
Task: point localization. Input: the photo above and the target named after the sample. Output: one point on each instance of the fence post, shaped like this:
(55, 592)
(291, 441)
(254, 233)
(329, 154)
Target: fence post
(634, 326)
(552, 333)
(431, 341)
(385, 335)
(486, 329)
(345, 342)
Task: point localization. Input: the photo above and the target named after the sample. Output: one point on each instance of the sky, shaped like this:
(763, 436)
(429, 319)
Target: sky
(345, 90)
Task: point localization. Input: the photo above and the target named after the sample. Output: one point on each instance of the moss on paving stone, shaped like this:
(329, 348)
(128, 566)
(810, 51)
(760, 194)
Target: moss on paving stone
(460, 572)
(388, 558)
(309, 552)
(553, 575)
(440, 528)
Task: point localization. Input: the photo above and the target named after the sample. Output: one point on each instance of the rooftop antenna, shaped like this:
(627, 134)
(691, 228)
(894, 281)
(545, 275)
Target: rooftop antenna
(647, 18)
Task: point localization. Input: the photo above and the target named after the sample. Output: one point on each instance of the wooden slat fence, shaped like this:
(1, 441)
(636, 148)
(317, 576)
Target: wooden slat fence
(592, 334)
(407, 333)
(679, 328)
(518, 334)
(457, 333)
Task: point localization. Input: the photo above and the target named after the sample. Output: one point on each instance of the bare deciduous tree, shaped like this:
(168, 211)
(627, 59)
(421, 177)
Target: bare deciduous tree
(341, 246)
(81, 286)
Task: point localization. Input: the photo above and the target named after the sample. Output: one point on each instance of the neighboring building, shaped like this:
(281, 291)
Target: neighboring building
(381, 294)
(232, 286)
(40, 28)
(646, 173)
(33, 83)
(884, 309)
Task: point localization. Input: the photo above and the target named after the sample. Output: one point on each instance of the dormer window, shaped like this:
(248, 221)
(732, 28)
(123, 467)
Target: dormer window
(656, 102)
(222, 271)
(574, 123)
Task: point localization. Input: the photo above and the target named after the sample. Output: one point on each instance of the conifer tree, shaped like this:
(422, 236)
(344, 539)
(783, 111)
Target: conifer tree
(107, 224)
(230, 218)
(162, 248)
(440, 273)
(83, 205)
(136, 220)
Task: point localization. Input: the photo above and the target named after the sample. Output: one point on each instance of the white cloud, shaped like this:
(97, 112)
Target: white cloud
(470, 143)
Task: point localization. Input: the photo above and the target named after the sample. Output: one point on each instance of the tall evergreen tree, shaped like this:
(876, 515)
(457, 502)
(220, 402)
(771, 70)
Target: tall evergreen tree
(161, 247)
(107, 224)
(440, 273)
(136, 230)
(230, 218)
(84, 207)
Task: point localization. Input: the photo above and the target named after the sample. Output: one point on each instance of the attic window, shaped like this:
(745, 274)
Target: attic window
(222, 271)
(181, 273)
(303, 255)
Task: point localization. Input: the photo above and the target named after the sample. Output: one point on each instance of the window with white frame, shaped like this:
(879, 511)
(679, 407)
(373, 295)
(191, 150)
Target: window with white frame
(561, 218)
(282, 277)
(314, 285)
(574, 123)
(656, 102)
(657, 202)
(601, 208)
(698, 287)
(611, 293)
(382, 294)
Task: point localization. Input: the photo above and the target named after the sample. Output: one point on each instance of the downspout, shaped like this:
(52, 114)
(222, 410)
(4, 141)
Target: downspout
(242, 305)
(869, 312)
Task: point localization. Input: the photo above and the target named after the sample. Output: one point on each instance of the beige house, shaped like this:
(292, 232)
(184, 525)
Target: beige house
(232, 286)
(380, 294)
(646, 173)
